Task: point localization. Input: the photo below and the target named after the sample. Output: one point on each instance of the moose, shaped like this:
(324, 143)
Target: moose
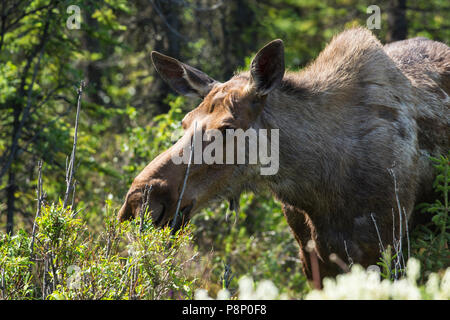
(357, 127)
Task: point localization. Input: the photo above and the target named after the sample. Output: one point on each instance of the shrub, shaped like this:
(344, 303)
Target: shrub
(125, 262)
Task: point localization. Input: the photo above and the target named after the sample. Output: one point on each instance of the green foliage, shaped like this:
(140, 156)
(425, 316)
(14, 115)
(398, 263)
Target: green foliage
(40, 65)
(146, 142)
(15, 276)
(70, 263)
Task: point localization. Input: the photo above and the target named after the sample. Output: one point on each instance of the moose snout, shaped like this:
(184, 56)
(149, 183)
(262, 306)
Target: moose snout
(157, 190)
(149, 198)
(162, 205)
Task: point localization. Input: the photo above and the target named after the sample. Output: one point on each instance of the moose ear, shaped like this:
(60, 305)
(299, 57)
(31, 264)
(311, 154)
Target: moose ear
(181, 77)
(267, 68)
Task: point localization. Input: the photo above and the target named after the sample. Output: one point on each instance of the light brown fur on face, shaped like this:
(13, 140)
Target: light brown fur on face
(359, 109)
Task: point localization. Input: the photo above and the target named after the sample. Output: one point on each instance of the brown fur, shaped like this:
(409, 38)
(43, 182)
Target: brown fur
(356, 111)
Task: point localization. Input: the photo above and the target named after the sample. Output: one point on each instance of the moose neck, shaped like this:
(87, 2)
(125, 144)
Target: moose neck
(311, 145)
(323, 113)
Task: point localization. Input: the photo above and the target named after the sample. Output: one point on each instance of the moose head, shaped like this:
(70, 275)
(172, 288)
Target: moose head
(226, 108)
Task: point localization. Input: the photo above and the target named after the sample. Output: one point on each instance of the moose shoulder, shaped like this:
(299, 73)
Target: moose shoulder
(356, 130)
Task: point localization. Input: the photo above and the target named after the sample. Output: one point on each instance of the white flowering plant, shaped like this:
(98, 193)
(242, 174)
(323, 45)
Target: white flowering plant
(358, 284)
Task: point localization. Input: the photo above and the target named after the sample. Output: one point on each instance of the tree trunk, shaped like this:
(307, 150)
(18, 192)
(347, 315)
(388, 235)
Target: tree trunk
(236, 24)
(169, 25)
(11, 188)
(10, 200)
(93, 74)
(397, 24)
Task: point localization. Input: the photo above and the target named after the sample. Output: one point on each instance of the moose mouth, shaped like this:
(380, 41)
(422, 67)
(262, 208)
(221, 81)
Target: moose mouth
(182, 219)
